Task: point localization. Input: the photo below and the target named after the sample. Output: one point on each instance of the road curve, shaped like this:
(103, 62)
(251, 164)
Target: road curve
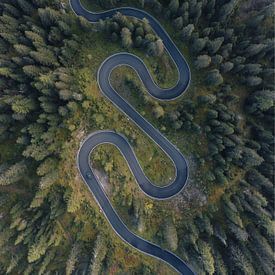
(100, 137)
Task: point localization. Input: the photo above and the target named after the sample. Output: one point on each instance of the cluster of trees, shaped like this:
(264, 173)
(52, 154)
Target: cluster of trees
(30, 235)
(132, 33)
(234, 236)
(218, 44)
(259, 105)
(183, 117)
(38, 95)
(223, 49)
(226, 146)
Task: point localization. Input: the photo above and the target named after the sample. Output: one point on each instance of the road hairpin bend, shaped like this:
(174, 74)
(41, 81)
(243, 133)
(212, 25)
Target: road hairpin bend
(100, 137)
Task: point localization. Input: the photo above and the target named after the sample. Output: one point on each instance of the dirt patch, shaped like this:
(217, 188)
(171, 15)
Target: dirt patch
(104, 180)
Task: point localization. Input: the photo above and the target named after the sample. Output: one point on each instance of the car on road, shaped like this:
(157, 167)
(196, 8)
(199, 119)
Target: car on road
(89, 175)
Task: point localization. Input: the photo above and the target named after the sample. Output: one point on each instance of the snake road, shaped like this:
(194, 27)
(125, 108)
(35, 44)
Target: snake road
(111, 137)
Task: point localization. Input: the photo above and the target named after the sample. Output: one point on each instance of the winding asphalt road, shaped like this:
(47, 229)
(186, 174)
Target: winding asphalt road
(100, 137)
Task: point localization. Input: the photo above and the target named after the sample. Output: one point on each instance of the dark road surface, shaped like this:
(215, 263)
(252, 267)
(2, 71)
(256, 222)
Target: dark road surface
(100, 137)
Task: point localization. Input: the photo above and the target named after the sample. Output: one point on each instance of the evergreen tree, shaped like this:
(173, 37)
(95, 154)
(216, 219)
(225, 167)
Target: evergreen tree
(253, 81)
(187, 32)
(240, 262)
(13, 174)
(37, 250)
(100, 251)
(72, 260)
(259, 102)
(126, 38)
(206, 257)
(214, 78)
(203, 61)
(226, 67)
(198, 45)
(253, 49)
(44, 56)
(23, 105)
(214, 45)
(174, 6)
(226, 10)
(178, 22)
(26, 6)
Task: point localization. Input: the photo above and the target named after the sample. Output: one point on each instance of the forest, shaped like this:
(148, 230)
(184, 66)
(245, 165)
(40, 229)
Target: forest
(222, 223)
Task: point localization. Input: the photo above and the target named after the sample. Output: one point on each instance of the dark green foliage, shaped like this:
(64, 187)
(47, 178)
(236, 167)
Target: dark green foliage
(36, 89)
(258, 180)
(173, 6)
(198, 45)
(226, 10)
(252, 69)
(178, 22)
(27, 7)
(253, 49)
(253, 81)
(217, 59)
(260, 102)
(187, 32)
(214, 45)
(133, 33)
(214, 78)
(227, 67)
(250, 158)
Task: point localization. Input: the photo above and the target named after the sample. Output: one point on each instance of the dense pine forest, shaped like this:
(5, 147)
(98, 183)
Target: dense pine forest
(222, 223)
